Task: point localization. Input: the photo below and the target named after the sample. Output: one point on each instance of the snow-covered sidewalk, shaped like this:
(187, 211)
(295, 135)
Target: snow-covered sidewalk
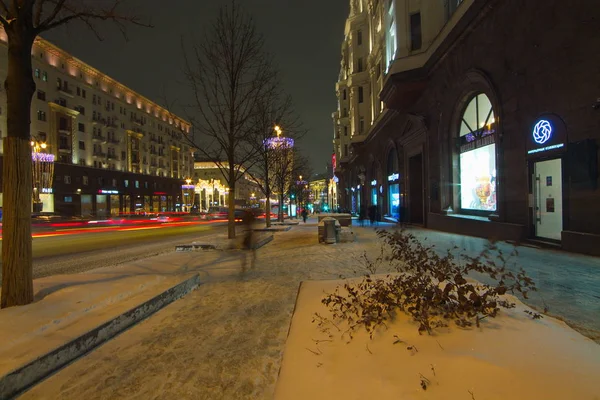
(223, 341)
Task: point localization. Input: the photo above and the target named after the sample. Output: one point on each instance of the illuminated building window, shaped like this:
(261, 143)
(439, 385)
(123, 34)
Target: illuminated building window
(477, 159)
(390, 39)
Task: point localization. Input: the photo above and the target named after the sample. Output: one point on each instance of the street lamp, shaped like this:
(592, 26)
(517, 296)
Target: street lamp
(43, 172)
(188, 192)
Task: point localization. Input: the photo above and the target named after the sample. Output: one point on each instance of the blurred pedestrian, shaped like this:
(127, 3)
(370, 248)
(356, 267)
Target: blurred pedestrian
(248, 244)
(304, 214)
(372, 214)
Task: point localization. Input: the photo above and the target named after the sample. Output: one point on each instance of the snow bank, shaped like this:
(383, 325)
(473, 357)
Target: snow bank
(509, 357)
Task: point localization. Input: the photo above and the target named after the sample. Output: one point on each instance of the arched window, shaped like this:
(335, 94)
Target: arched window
(478, 156)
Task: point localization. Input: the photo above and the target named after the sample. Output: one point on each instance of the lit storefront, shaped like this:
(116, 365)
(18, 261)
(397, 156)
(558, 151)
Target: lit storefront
(393, 184)
(477, 160)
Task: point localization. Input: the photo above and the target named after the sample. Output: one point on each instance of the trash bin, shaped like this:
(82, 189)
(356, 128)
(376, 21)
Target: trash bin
(330, 231)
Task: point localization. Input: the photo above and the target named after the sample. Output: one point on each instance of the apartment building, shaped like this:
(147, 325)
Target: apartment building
(489, 118)
(112, 150)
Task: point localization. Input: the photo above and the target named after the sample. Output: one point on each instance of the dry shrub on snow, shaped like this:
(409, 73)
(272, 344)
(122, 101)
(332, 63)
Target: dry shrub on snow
(432, 289)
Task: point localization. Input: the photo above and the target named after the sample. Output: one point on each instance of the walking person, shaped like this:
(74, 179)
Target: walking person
(248, 220)
(304, 214)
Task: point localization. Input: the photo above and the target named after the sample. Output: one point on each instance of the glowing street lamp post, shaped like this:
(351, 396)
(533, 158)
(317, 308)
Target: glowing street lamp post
(189, 192)
(43, 173)
(279, 143)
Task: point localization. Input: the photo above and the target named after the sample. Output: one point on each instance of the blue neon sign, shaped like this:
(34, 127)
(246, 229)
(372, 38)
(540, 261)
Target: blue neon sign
(542, 131)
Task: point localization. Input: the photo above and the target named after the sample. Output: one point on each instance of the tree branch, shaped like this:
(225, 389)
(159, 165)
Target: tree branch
(64, 12)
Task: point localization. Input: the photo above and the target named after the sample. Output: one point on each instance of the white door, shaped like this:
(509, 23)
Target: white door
(548, 199)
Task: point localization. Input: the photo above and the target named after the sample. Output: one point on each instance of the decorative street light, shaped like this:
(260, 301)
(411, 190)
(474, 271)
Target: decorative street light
(189, 192)
(281, 146)
(43, 173)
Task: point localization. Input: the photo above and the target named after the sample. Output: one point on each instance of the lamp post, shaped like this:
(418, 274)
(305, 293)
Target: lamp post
(43, 173)
(281, 146)
(188, 191)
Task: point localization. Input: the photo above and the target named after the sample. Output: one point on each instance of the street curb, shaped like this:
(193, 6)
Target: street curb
(289, 329)
(21, 379)
(262, 242)
(284, 229)
(207, 246)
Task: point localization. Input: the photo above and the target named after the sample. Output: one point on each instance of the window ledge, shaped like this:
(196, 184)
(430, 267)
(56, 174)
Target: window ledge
(467, 216)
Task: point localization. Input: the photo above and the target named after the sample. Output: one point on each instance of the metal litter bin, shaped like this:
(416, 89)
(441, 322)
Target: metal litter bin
(330, 231)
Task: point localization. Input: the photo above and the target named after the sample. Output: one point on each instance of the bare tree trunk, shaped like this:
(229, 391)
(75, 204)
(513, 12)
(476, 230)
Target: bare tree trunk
(231, 204)
(17, 271)
(280, 213)
(268, 210)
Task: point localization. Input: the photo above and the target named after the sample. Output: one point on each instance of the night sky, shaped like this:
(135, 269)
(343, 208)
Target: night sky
(304, 35)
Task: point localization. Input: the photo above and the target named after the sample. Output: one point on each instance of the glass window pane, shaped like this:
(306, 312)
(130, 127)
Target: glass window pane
(464, 129)
(470, 116)
(484, 110)
(478, 179)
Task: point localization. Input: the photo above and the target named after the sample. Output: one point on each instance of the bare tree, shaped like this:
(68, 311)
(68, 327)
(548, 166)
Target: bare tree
(301, 168)
(272, 113)
(288, 165)
(229, 72)
(23, 21)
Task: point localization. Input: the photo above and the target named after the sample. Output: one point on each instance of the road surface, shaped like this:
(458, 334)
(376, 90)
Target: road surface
(72, 251)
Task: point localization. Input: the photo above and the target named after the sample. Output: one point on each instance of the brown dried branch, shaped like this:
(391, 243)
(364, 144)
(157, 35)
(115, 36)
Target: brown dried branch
(62, 12)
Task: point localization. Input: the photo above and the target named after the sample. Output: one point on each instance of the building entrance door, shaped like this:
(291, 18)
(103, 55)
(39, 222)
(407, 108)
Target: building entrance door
(415, 177)
(548, 201)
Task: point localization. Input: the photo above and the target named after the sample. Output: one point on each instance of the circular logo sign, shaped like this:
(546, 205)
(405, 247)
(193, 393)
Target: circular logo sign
(542, 131)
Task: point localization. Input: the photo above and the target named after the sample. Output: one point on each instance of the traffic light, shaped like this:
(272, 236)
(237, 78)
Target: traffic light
(293, 196)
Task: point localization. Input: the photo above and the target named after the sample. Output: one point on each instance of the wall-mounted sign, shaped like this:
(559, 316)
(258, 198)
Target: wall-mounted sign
(551, 147)
(542, 131)
(374, 182)
(548, 134)
(393, 177)
(47, 190)
(105, 191)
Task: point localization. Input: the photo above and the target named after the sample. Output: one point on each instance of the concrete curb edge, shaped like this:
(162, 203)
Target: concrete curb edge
(22, 378)
(262, 242)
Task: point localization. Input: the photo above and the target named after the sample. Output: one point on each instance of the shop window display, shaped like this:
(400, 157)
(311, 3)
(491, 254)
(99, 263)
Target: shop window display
(478, 156)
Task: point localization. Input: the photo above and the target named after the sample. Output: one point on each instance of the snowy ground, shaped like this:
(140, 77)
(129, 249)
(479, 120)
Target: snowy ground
(223, 341)
(510, 357)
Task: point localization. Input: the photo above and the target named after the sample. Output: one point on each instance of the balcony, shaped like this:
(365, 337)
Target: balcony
(113, 140)
(65, 90)
(153, 139)
(64, 129)
(99, 153)
(99, 138)
(112, 157)
(64, 148)
(99, 120)
(137, 121)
